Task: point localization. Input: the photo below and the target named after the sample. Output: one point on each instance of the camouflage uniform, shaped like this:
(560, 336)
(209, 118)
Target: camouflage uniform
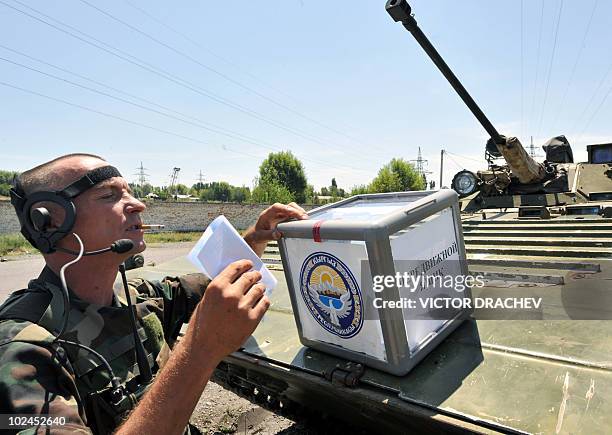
(38, 376)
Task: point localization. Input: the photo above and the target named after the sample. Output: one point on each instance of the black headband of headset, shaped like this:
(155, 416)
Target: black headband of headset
(33, 230)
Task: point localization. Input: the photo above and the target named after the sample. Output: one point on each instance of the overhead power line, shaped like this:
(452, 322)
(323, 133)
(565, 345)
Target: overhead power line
(118, 118)
(195, 124)
(208, 50)
(537, 68)
(522, 77)
(593, 97)
(594, 113)
(160, 72)
(132, 122)
(561, 104)
(464, 157)
(550, 65)
(142, 175)
(219, 73)
(212, 127)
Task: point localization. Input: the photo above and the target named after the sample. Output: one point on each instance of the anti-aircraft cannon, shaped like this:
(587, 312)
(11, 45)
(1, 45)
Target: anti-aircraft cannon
(519, 180)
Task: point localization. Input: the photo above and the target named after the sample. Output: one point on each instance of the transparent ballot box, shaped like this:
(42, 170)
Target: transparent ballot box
(354, 267)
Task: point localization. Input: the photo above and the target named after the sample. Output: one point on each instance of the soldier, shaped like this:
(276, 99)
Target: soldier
(80, 364)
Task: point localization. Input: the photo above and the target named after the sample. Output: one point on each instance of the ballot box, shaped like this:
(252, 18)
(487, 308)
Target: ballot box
(376, 278)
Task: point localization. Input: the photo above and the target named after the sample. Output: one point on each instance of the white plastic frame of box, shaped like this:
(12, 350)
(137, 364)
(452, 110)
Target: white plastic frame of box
(376, 235)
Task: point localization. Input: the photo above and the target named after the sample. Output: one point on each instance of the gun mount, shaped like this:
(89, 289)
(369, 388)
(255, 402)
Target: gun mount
(511, 183)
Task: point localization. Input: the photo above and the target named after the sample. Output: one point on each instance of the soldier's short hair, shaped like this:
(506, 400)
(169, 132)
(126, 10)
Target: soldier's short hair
(43, 177)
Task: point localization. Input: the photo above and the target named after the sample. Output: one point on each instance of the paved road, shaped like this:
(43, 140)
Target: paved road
(17, 271)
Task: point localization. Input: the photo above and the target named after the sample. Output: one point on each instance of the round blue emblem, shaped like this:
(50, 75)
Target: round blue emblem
(332, 294)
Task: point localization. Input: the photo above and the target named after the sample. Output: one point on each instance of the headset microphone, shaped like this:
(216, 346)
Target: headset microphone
(120, 246)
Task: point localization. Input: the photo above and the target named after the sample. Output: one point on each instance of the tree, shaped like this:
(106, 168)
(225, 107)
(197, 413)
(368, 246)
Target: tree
(359, 190)
(284, 170)
(206, 194)
(240, 194)
(180, 189)
(6, 180)
(6, 177)
(324, 191)
(220, 191)
(162, 192)
(269, 192)
(333, 189)
(4, 189)
(397, 176)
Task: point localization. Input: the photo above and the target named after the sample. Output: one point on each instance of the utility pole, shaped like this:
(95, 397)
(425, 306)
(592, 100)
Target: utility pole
(201, 178)
(441, 166)
(142, 178)
(532, 150)
(174, 180)
(420, 163)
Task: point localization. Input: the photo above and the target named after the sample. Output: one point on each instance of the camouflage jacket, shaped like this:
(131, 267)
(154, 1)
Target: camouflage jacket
(38, 376)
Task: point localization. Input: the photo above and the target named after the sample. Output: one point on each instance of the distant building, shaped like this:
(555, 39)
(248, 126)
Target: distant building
(186, 198)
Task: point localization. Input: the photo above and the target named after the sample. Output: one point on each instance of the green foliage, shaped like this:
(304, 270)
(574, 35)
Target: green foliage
(6, 177)
(6, 180)
(268, 192)
(280, 173)
(385, 181)
(180, 189)
(221, 191)
(199, 186)
(397, 176)
(141, 191)
(310, 195)
(4, 189)
(359, 190)
(334, 191)
(171, 237)
(240, 194)
(14, 244)
(162, 192)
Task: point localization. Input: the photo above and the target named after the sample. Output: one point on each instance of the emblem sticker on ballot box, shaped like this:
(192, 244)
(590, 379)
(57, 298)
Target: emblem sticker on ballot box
(332, 294)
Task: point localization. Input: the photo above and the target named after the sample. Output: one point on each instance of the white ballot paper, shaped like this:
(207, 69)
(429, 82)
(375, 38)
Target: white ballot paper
(221, 245)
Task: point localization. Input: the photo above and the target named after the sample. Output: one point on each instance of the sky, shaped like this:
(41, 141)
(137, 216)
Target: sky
(213, 87)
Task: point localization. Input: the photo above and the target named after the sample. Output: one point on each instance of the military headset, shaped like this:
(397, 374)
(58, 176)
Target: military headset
(36, 222)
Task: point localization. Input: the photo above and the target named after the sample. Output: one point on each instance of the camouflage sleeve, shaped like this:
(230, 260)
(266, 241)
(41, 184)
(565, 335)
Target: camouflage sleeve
(180, 295)
(34, 381)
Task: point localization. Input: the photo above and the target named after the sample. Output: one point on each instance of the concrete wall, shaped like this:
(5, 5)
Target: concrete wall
(181, 216)
(8, 219)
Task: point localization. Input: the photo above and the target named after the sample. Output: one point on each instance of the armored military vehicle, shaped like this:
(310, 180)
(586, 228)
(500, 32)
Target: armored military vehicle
(520, 181)
(552, 374)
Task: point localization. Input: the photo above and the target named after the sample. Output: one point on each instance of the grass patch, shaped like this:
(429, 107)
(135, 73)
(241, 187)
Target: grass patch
(170, 237)
(14, 244)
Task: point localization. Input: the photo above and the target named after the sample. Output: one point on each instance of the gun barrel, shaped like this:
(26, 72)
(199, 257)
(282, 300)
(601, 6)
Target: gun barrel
(400, 11)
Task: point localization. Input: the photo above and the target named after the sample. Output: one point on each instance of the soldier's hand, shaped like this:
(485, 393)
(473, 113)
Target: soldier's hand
(231, 309)
(265, 230)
